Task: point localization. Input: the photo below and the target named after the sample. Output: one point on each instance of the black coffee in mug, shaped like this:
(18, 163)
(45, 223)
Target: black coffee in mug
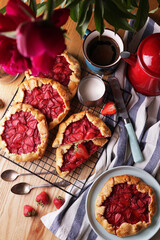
(103, 50)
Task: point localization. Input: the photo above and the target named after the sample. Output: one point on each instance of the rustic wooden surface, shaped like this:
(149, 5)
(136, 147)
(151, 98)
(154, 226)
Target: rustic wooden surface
(13, 225)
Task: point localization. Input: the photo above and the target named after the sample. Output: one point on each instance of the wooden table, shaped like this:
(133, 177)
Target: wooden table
(13, 225)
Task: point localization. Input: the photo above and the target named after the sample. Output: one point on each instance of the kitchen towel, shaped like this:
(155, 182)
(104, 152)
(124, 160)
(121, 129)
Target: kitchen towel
(70, 221)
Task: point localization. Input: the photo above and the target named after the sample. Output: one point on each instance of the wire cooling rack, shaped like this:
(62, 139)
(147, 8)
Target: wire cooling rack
(78, 178)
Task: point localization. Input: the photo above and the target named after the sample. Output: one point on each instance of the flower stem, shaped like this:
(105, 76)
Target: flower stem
(49, 9)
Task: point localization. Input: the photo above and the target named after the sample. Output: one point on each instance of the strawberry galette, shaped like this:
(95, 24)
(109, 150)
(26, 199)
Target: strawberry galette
(70, 156)
(50, 97)
(83, 126)
(24, 133)
(66, 70)
(125, 205)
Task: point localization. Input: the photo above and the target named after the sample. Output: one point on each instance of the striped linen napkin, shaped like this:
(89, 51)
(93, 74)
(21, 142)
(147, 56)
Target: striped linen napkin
(70, 222)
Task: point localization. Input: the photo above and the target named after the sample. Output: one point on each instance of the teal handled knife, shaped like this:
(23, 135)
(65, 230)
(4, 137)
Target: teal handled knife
(122, 111)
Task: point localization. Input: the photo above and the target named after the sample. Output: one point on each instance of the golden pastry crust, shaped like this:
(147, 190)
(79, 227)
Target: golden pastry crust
(38, 82)
(105, 131)
(60, 151)
(42, 128)
(76, 74)
(74, 78)
(125, 229)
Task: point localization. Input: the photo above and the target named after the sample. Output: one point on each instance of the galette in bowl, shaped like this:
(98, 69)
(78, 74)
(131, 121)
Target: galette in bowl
(125, 205)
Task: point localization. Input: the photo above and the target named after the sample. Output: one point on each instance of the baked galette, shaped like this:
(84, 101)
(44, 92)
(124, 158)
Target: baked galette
(66, 70)
(70, 156)
(83, 126)
(24, 133)
(50, 97)
(125, 205)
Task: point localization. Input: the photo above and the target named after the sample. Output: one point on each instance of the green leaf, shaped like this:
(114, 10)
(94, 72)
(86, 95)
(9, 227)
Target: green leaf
(115, 16)
(99, 15)
(33, 6)
(72, 3)
(129, 5)
(66, 36)
(154, 10)
(41, 8)
(142, 14)
(84, 7)
(134, 3)
(82, 29)
(58, 2)
(74, 12)
(122, 7)
(3, 10)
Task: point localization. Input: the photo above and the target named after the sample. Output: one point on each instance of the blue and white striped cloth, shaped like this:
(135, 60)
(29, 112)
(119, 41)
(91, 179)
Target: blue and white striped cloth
(70, 222)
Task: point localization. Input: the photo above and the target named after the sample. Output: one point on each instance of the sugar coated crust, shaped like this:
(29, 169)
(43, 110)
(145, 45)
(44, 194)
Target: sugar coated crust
(104, 129)
(42, 127)
(38, 82)
(125, 229)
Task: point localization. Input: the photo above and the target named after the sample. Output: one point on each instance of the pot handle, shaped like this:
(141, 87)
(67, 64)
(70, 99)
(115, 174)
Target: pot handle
(129, 58)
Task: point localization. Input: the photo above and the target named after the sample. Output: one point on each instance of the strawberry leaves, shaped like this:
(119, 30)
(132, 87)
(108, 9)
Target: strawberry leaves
(29, 211)
(42, 199)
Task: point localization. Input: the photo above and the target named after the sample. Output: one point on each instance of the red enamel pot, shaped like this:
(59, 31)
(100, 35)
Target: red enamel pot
(144, 66)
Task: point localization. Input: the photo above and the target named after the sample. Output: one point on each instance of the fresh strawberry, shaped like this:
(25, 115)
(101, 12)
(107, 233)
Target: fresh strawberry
(81, 151)
(58, 202)
(109, 108)
(29, 211)
(42, 198)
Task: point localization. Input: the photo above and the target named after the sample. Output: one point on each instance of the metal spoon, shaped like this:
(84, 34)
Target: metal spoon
(24, 188)
(11, 175)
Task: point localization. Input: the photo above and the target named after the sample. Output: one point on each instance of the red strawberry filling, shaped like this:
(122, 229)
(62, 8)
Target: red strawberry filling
(61, 71)
(78, 154)
(126, 204)
(21, 133)
(81, 130)
(46, 99)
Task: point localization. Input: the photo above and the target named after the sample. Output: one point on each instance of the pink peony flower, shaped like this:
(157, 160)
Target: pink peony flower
(11, 60)
(37, 41)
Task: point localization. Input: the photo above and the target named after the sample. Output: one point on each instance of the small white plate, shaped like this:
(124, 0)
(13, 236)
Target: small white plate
(97, 186)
